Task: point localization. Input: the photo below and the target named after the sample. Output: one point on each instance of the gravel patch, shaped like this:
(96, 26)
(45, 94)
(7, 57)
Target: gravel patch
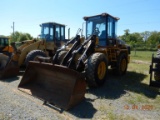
(16, 105)
(106, 102)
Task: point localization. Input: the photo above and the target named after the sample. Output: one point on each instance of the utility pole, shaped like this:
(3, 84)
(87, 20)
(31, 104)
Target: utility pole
(13, 28)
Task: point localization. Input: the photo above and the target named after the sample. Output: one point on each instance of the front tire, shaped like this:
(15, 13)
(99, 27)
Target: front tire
(33, 54)
(96, 70)
(61, 56)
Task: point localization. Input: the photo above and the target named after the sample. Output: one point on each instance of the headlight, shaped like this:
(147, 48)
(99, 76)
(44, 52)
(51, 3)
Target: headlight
(63, 47)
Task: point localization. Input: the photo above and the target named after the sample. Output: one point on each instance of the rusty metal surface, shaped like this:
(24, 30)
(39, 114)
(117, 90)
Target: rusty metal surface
(55, 84)
(11, 70)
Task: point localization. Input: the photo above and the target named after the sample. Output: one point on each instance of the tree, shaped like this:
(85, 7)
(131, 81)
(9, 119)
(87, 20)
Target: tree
(131, 37)
(126, 36)
(19, 36)
(146, 40)
(136, 37)
(145, 35)
(126, 32)
(154, 38)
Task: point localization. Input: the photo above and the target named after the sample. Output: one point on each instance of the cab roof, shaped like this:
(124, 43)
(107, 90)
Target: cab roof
(103, 14)
(54, 23)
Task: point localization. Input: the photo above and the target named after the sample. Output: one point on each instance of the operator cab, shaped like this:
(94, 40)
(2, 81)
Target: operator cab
(53, 32)
(103, 26)
(3, 42)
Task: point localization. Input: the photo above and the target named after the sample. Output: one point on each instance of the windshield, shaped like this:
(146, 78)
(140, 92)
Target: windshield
(96, 25)
(46, 32)
(4, 42)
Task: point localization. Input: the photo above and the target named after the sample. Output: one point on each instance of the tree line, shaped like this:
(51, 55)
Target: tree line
(19, 36)
(147, 40)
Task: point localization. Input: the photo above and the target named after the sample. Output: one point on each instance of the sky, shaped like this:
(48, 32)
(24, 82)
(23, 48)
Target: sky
(27, 15)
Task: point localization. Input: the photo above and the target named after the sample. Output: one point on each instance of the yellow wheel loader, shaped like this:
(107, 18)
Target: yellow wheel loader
(5, 46)
(51, 38)
(7, 68)
(155, 70)
(63, 82)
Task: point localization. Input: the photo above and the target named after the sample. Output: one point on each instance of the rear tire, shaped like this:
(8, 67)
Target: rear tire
(96, 70)
(33, 54)
(122, 65)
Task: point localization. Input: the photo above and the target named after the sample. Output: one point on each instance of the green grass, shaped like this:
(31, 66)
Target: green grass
(142, 55)
(137, 79)
(130, 89)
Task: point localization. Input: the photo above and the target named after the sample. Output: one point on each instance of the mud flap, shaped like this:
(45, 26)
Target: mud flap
(11, 70)
(58, 85)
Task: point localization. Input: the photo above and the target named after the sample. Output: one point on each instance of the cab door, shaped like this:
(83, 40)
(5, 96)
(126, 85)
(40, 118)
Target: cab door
(59, 35)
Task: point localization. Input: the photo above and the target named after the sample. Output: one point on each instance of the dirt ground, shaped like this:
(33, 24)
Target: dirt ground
(106, 102)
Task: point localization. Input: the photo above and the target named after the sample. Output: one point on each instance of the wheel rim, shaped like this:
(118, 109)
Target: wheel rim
(123, 65)
(101, 70)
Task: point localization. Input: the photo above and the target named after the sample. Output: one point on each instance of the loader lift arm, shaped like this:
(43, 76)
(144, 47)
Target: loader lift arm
(84, 50)
(49, 77)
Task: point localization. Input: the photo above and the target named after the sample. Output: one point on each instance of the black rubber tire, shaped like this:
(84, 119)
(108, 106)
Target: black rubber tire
(91, 70)
(118, 69)
(157, 66)
(157, 74)
(61, 56)
(33, 54)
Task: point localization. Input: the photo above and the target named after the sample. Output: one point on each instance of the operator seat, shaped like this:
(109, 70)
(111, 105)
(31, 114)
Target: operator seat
(102, 38)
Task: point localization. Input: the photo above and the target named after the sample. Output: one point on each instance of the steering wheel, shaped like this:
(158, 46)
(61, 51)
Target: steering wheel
(96, 32)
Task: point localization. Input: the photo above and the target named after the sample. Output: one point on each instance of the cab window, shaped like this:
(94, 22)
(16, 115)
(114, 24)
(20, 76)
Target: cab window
(57, 32)
(62, 33)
